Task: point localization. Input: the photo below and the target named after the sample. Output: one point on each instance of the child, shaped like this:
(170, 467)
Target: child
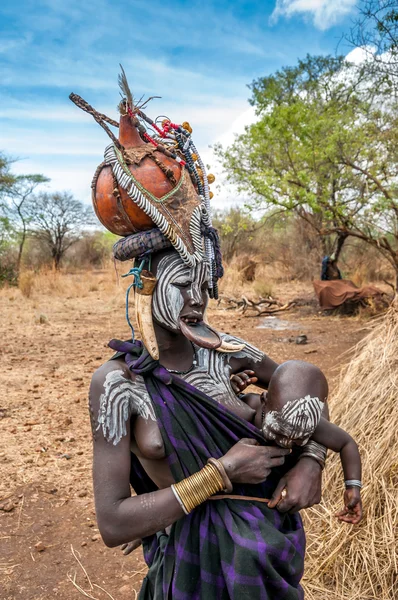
(289, 414)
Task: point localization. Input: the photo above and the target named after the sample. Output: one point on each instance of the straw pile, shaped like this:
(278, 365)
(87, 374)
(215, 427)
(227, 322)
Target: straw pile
(361, 562)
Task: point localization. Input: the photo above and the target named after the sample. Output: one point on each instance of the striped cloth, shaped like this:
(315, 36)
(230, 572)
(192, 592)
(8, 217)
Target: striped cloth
(226, 549)
(140, 243)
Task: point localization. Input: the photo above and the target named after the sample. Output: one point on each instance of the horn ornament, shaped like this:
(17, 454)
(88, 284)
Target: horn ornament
(143, 313)
(225, 346)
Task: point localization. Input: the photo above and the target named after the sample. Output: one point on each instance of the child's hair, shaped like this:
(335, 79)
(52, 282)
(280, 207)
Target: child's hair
(296, 379)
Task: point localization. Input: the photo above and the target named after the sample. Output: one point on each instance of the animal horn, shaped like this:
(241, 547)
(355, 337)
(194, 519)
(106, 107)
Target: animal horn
(228, 347)
(143, 313)
(225, 346)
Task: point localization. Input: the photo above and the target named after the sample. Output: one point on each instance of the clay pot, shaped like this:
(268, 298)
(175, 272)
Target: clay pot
(116, 211)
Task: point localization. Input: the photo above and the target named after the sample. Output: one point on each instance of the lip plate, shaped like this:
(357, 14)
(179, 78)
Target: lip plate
(200, 334)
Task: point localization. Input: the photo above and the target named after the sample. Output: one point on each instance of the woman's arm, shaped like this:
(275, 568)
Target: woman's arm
(120, 516)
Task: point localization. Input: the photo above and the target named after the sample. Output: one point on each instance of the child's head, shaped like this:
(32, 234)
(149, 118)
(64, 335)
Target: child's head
(294, 403)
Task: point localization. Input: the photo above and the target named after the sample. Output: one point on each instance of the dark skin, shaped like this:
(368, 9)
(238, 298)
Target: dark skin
(307, 379)
(122, 518)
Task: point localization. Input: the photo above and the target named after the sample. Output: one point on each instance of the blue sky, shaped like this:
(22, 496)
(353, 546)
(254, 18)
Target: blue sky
(198, 55)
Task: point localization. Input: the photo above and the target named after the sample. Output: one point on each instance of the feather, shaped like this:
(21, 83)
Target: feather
(125, 89)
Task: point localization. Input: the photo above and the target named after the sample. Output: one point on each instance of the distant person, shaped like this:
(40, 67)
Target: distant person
(330, 270)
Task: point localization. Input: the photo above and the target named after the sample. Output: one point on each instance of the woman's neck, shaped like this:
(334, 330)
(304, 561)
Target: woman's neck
(176, 352)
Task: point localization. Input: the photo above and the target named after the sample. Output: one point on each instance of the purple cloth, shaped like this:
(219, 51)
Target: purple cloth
(226, 549)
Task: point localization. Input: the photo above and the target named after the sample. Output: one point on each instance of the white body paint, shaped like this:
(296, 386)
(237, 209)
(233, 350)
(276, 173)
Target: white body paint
(122, 399)
(297, 419)
(167, 300)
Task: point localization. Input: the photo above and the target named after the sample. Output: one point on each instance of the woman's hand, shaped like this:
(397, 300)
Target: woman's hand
(302, 485)
(247, 462)
(131, 546)
(240, 381)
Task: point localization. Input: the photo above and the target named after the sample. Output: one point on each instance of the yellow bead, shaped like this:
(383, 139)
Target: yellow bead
(194, 157)
(211, 178)
(211, 195)
(187, 126)
(200, 172)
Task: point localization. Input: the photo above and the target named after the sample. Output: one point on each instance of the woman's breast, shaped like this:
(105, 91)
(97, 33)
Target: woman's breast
(147, 440)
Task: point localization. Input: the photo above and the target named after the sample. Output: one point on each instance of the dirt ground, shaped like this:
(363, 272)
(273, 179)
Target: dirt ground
(51, 342)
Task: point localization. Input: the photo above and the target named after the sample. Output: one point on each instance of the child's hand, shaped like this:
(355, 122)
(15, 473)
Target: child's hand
(352, 511)
(241, 381)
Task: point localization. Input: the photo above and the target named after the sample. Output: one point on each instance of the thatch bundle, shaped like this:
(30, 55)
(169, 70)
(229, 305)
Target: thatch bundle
(361, 562)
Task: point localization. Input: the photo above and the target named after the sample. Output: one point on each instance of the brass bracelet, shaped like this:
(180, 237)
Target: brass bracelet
(197, 488)
(227, 482)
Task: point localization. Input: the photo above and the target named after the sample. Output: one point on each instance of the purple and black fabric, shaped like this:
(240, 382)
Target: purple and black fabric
(138, 244)
(225, 549)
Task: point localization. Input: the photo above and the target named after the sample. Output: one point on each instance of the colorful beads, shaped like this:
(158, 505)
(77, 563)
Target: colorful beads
(211, 178)
(187, 126)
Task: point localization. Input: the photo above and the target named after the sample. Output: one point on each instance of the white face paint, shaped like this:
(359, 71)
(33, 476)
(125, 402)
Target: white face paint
(173, 275)
(120, 400)
(294, 423)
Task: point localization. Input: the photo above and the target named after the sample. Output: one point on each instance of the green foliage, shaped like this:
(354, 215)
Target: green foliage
(235, 228)
(324, 147)
(8, 239)
(6, 177)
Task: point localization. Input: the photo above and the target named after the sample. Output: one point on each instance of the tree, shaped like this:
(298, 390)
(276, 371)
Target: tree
(58, 220)
(6, 177)
(324, 147)
(376, 32)
(234, 227)
(17, 196)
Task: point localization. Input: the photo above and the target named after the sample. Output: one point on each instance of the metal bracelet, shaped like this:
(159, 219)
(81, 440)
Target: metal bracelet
(315, 451)
(180, 502)
(353, 483)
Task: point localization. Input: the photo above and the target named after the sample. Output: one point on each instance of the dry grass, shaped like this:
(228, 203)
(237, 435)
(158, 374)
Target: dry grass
(77, 284)
(235, 284)
(361, 563)
(26, 283)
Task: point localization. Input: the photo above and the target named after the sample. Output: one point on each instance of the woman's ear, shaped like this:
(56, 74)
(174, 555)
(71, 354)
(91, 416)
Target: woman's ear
(264, 398)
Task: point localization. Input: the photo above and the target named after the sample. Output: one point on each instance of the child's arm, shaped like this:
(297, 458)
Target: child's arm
(338, 440)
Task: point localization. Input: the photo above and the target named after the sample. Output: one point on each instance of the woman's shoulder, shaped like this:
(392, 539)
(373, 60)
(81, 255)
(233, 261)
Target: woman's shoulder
(243, 349)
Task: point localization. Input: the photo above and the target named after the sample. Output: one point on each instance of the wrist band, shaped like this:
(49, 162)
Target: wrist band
(179, 499)
(227, 482)
(315, 451)
(353, 483)
(197, 488)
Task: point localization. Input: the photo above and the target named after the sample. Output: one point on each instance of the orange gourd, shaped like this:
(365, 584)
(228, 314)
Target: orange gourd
(112, 205)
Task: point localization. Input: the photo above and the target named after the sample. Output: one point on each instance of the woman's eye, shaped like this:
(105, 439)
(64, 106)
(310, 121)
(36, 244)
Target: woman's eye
(182, 284)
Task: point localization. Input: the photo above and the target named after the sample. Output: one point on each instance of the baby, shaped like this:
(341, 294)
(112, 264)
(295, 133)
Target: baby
(289, 414)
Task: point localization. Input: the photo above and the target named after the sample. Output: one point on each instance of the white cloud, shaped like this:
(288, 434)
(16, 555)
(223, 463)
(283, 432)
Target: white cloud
(325, 13)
